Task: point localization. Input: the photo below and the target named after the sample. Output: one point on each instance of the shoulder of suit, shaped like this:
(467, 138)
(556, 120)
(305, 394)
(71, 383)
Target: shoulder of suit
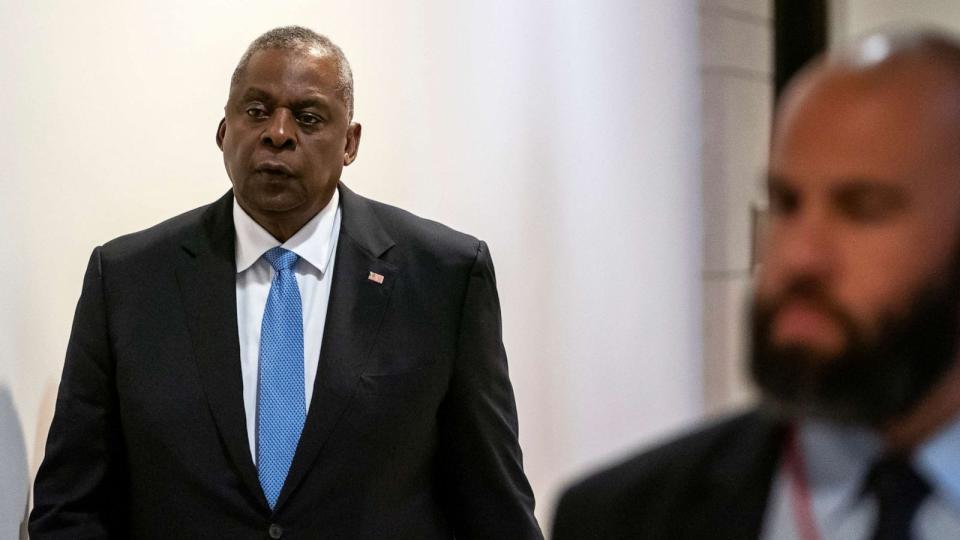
(650, 494)
(162, 236)
(411, 233)
(682, 460)
(422, 235)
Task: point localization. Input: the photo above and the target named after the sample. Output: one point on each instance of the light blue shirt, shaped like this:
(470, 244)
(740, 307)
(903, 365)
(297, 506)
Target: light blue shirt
(837, 459)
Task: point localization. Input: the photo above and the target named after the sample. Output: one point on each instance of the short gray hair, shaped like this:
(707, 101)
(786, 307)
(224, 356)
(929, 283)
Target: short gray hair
(298, 38)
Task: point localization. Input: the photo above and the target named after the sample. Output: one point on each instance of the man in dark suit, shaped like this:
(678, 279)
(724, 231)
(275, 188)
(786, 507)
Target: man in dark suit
(855, 326)
(291, 361)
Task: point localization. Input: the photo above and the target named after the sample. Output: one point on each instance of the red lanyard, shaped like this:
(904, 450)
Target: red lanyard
(799, 489)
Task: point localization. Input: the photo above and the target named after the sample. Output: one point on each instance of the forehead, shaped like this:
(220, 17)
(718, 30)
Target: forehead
(894, 125)
(281, 72)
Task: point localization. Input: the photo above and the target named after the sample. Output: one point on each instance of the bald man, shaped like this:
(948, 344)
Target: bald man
(855, 322)
(291, 361)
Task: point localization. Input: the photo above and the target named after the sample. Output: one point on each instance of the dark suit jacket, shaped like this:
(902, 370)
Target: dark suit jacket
(712, 484)
(411, 433)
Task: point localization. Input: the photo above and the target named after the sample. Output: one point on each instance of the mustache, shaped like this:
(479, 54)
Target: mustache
(810, 291)
(881, 372)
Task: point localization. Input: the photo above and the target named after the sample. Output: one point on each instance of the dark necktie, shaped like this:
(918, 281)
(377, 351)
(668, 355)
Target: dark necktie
(899, 491)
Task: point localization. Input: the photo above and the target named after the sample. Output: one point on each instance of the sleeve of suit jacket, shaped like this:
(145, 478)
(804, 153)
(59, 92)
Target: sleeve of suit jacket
(76, 492)
(480, 453)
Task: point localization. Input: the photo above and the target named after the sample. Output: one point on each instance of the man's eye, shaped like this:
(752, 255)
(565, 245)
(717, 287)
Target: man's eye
(308, 119)
(256, 112)
(782, 202)
(869, 205)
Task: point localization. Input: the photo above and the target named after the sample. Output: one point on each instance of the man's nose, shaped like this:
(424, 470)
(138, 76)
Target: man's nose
(804, 245)
(280, 130)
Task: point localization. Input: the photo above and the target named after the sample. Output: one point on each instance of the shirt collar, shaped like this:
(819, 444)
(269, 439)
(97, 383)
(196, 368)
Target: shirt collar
(938, 460)
(314, 242)
(837, 458)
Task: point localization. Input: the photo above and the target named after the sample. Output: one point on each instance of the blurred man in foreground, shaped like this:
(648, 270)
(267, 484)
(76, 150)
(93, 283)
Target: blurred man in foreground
(855, 324)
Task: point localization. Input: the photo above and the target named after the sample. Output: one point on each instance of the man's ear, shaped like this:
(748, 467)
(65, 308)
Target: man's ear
(221, 131)
(353, 143)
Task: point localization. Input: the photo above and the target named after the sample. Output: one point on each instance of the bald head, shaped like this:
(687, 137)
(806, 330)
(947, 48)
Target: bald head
(886, 105)
(918, 73)
(864, 234)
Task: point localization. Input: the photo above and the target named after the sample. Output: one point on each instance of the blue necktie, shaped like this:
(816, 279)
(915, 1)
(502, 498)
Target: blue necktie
(281, 405)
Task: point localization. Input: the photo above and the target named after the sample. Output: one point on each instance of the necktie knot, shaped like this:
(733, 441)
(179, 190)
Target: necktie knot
(281, 259)
(893, 477)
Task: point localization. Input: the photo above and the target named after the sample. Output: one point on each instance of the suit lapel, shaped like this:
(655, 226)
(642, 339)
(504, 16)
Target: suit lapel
(355, 310)
(206, 271)
(738, 482)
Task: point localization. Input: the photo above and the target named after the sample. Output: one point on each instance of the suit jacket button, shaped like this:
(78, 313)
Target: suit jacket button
(275, 531)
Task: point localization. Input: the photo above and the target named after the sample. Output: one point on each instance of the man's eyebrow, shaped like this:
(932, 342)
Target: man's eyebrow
(319, 102)
(259, 94)
(865, 182)
(865, 186)
(255, 93)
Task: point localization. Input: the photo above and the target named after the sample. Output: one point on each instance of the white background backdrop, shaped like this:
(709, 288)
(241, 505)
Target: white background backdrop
(564, 133)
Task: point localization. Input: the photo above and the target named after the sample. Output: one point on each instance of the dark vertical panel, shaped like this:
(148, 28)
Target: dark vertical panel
(800, 33)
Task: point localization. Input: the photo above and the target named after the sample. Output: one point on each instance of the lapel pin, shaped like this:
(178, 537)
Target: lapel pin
(375, 277)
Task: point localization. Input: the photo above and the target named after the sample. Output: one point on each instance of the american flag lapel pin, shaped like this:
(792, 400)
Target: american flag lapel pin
(375, 277)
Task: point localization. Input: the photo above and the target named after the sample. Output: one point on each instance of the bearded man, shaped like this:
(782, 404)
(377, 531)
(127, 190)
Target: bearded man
(855, 322)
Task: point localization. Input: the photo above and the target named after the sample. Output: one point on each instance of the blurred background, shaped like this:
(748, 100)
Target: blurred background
(610, 152)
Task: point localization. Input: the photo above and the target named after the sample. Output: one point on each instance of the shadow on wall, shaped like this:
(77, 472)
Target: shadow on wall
(14, 476)
(44, 416)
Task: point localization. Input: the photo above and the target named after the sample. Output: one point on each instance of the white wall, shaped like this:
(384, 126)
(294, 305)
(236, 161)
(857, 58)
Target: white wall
(566, 134)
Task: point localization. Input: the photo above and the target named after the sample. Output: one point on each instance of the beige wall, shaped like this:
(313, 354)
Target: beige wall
(737, 67)
(851, 18)
(566, 134)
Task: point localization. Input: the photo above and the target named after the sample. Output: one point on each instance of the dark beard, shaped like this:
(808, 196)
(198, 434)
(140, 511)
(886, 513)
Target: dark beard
(876, 378)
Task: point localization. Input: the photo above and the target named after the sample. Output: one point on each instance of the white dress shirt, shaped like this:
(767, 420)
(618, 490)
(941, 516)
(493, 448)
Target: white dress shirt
(837, 459)
(315, 244)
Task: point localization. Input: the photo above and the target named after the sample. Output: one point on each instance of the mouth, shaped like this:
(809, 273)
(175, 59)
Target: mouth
(274, 168)
(807, 323)
(803, 314)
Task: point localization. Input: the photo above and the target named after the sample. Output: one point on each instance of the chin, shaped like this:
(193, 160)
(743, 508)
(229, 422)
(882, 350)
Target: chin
(274, 202)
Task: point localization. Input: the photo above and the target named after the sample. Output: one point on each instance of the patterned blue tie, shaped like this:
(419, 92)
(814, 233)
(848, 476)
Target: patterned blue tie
(281, 407)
